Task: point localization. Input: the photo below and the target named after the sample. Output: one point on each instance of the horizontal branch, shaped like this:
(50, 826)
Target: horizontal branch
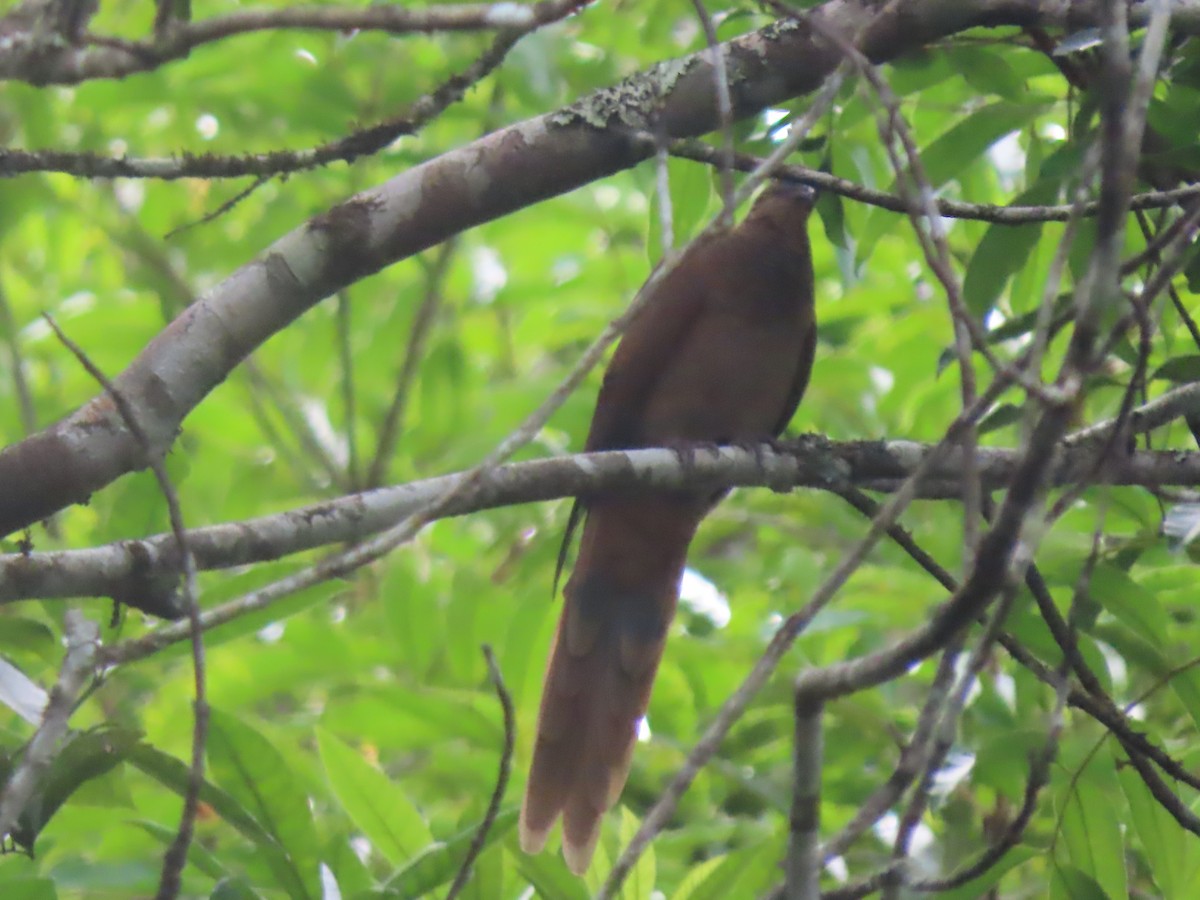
(29, 56)
(953, 209)
(144, 573)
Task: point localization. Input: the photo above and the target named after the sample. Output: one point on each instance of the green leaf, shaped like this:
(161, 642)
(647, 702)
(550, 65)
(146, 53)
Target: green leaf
(919, 70)
(1003, 415)
(747, 872)
(1129, 602)
(248, 766)
(981, 886)
(1170, 852)
(28, 637)
(28, 888)
(1185, 683)
(83, 756)
(172, 773)
(1181, 369)
(548, 874)
(1091, 834)
(1003, 251)
(831, 212)
(440, 862)
(1069, 883)
(198, 855)
(1191, 272)
(377, 806)
(697, 875)
(233, 889)
(950, 154)
(640, 883)
(987, 71)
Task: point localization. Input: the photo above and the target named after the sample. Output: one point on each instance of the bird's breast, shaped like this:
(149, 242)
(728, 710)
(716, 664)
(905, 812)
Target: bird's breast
(730, 380)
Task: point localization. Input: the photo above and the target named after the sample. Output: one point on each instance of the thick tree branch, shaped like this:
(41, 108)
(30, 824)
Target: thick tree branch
(144, 573)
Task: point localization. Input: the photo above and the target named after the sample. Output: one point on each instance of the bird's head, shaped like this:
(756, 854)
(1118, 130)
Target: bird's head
(784, 205)
(791, 192)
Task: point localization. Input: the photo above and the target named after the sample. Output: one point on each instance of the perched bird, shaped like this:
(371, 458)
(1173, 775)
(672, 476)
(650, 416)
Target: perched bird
(721, 353)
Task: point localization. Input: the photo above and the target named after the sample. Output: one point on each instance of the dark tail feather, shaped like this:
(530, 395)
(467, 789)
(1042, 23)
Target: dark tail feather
(606, 651)
(587, 728)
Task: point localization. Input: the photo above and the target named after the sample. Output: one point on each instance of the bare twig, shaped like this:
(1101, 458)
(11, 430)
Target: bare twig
(698, 151)
(943, 737)
(506, 754)
(1174, 404)
(1096, 704)
(1039, 777)
(224, 207)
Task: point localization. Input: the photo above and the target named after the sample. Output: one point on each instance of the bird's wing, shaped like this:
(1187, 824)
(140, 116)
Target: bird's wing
(646, 351)
(642, 356)
(800, 382)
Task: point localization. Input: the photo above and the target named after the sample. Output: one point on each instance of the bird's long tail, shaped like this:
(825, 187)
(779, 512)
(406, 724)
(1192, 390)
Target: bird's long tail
(619, 602)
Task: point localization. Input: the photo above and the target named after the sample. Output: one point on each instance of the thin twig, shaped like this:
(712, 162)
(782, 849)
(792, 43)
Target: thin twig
(1039, 777)
(509, 23)
(826, 182)
(1097, 704)
(944, 735)
(225, 206)
(716, 52)
(506, 755)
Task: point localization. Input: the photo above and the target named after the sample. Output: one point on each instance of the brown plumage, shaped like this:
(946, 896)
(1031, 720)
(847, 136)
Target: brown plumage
(721, 353)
